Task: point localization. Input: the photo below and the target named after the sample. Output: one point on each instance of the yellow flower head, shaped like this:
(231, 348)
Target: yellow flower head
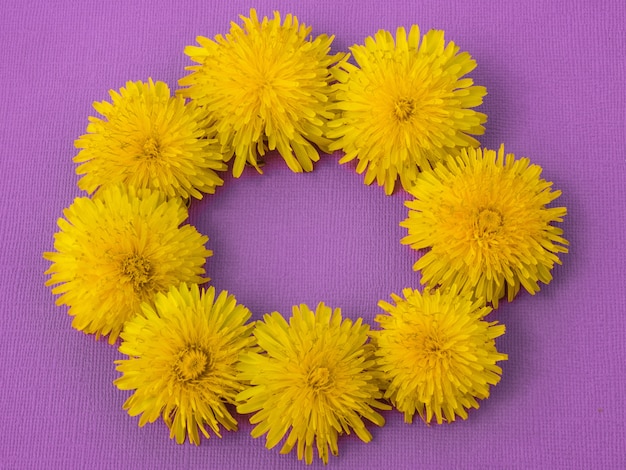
(149, 139)
(405, 106)
(266, 86)
(118, 250)
(183, 354)
(484, 217)
(312, 380)
(437, 353)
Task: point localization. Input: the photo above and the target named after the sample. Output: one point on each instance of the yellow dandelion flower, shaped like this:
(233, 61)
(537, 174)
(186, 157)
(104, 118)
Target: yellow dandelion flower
(485, 220)
(118, 250)
(437, 353)
(266, 86)
(183, 354)
(312, 380)
(405, 106)
(149, 139)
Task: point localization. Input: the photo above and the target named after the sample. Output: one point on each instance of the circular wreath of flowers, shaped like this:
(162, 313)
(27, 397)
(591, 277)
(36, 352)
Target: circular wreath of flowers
(127, 265)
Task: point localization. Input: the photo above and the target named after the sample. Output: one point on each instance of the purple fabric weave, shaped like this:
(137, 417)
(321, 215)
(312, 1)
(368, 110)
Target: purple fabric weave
(554, 73)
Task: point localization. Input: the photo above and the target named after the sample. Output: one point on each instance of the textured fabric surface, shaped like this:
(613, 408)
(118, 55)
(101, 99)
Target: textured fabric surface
(554, 73)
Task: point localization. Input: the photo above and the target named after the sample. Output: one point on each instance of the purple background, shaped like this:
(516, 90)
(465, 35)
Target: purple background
(555, 77)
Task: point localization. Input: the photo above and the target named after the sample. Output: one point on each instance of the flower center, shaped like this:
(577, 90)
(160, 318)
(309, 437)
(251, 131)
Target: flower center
(403, 109)
(319, 379)
(151, 148)
(433, 345)
(137, 269)
(433, 342)
(488, 222)
(192, 363)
